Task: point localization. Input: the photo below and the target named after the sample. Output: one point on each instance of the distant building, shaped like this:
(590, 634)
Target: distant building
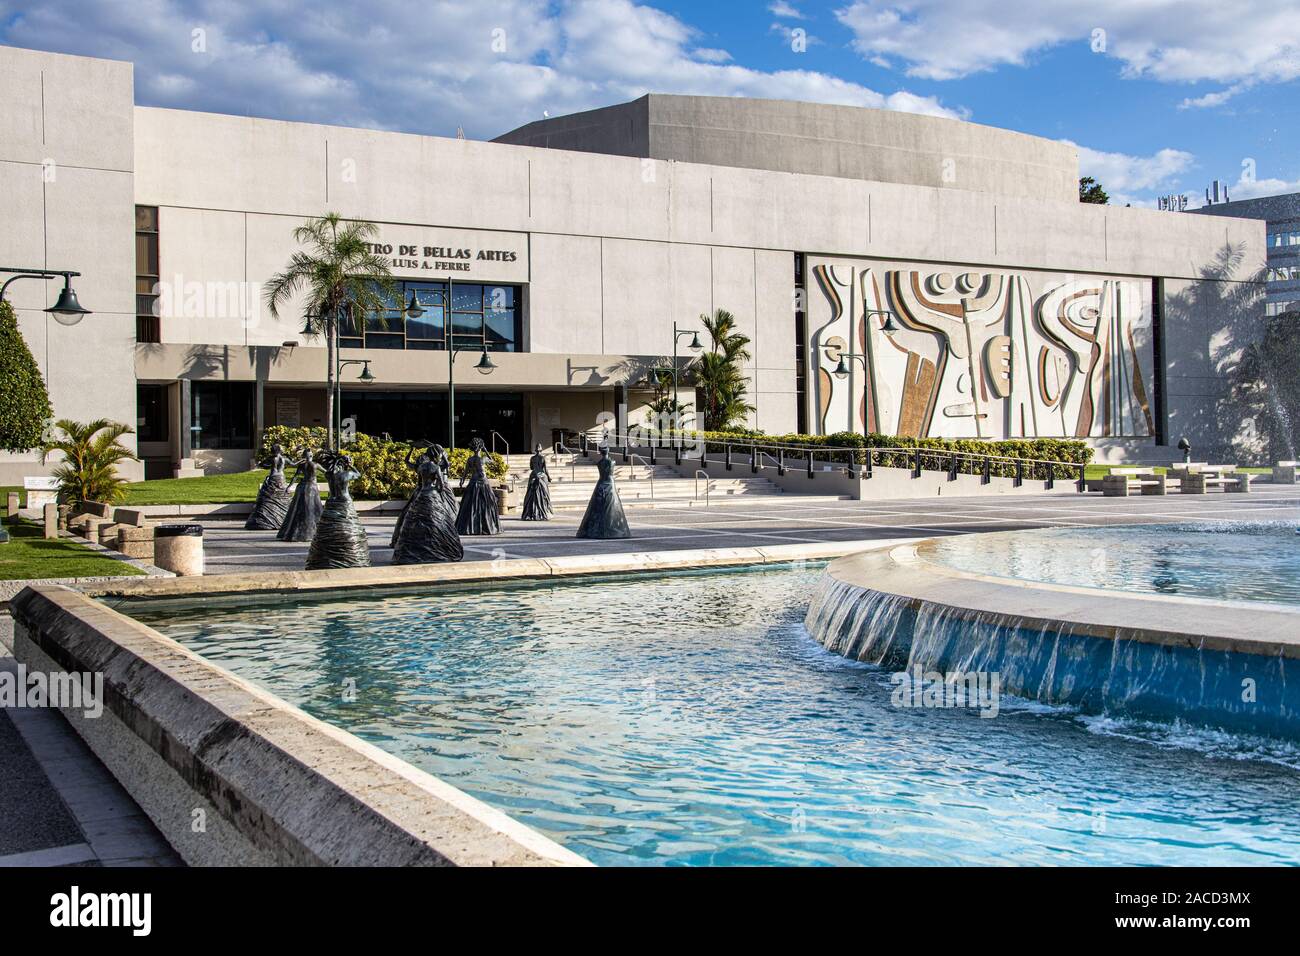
(1281, 215)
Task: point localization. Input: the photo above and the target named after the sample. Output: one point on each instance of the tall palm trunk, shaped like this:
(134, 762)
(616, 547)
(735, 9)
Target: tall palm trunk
(331, 356)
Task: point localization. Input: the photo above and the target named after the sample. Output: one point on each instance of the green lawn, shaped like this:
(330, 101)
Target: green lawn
(210, 489)
(27, 554)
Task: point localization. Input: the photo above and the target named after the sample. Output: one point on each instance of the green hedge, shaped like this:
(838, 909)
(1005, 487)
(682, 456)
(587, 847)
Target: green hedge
(1066, 451)
(382, 463)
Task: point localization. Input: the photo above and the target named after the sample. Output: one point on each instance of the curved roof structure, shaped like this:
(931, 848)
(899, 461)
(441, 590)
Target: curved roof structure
(848, 142)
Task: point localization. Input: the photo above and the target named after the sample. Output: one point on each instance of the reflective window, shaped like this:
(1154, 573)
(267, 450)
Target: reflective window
(481, 316)
(221, 414)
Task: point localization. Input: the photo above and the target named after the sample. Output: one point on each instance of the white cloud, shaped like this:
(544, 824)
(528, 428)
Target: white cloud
(486, 67)
(1167, 40)
(1120, 174)
(786, 10)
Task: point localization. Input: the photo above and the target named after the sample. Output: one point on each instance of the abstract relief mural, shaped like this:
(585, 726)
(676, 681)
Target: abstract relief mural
(979, 354)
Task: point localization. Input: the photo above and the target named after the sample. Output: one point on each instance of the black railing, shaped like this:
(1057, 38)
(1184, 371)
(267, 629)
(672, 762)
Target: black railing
(853, 460)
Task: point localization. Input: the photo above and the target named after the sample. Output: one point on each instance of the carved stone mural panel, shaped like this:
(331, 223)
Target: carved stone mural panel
(974, 353)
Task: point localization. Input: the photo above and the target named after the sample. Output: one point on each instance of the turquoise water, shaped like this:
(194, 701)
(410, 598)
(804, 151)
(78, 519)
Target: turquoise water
(689, 719)
(1230, 561)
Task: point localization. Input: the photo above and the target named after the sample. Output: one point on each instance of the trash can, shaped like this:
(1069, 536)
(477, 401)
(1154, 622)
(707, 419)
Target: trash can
(179, 548)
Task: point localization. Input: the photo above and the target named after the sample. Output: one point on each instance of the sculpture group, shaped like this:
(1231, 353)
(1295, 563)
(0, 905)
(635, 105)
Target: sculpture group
(430, 524)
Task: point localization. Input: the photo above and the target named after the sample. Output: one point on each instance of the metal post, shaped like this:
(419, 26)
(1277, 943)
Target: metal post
(451, 389)
(1020, 473)
(753, 459)
(1083, 485)
(780, 461)
(986, 472)
(727, 446)
(870, 455)
(916, 464)
(1051, 475)
(677, 453)
(810, 461)
(952, 467)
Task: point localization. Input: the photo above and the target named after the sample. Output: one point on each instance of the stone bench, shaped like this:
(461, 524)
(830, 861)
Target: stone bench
(1122, 482)
(1200, 482)
(135, 543)
(1284, 472)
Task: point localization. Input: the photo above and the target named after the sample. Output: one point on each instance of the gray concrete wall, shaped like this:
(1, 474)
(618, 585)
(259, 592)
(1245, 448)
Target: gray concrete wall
(67, 195)
(846, 142)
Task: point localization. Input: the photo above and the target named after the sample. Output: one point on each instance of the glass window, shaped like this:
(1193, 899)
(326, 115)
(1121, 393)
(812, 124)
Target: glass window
(221, 414)
(480, 315)
(467, 297)
(147, 327)
(151, 413)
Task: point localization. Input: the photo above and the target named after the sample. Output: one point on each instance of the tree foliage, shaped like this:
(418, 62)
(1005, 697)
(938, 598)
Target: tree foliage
(1090, 191)
(341, 278)
(24, 402)
(91, 453)
(720, 374)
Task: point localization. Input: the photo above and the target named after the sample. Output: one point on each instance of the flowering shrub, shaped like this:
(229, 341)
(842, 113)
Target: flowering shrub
(381, 462)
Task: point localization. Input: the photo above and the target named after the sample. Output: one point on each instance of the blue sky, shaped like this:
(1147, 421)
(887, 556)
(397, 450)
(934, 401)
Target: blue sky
(1160, 96)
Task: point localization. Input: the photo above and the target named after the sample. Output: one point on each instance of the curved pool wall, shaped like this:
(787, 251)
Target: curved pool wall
(1210, 663)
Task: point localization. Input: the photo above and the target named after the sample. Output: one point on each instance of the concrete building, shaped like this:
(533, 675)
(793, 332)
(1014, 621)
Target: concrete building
(1281, 215)
(570, 247)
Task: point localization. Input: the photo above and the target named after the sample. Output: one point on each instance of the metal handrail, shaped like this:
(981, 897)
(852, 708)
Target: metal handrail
(707, 484)
(868, 454)
(495, 435)
(650, 472)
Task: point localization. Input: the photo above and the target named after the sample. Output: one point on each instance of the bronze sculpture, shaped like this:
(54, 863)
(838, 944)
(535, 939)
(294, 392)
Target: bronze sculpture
(305, 509)
(604, 517)
(426, 528)
(478, 502)
(340, 540)
(537, 499)
(272, 503)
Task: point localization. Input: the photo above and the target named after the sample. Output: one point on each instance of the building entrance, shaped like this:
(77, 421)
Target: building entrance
(416, 416)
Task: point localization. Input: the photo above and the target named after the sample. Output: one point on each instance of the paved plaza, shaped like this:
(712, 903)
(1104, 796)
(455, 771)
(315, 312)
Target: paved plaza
(779, 520)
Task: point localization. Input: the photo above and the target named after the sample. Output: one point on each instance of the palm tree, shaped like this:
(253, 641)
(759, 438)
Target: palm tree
(719, 372)
(342, 277)
(665, 410)
(90, 456)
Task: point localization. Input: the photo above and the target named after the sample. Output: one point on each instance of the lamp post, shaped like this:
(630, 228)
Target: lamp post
(365, 378)
(842, 369)
(67, 310)
(694, 346)
(484, 365)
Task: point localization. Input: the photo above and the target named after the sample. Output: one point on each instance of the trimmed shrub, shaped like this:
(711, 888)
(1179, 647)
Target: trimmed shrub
(24, 402)
(382, 463)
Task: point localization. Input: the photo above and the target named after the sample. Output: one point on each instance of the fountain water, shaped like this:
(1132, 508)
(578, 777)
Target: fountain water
(1114, 675)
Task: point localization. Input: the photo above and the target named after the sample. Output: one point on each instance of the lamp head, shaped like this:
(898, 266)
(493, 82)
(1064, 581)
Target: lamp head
(67, 310)
(485, 365)
(695, 345)
(365, 375)
(889, 325)
(841, 369)
(413, 309)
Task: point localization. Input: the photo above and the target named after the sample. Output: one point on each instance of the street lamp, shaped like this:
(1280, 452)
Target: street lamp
(694, 346)
(484, 365)
(842, 368)
(365, 378)
(66, 310)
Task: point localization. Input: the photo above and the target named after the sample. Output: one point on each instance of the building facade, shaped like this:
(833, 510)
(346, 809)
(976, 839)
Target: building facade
(1281, 215)
(569, 249)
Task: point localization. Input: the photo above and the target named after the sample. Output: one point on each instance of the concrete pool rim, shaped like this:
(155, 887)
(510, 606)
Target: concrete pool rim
(910, 573)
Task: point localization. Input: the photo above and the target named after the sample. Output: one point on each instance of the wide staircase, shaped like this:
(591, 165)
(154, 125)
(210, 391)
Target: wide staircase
(639, 483)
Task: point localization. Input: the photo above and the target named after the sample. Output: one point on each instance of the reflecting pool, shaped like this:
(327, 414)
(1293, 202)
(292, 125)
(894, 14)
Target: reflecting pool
(690, 719)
